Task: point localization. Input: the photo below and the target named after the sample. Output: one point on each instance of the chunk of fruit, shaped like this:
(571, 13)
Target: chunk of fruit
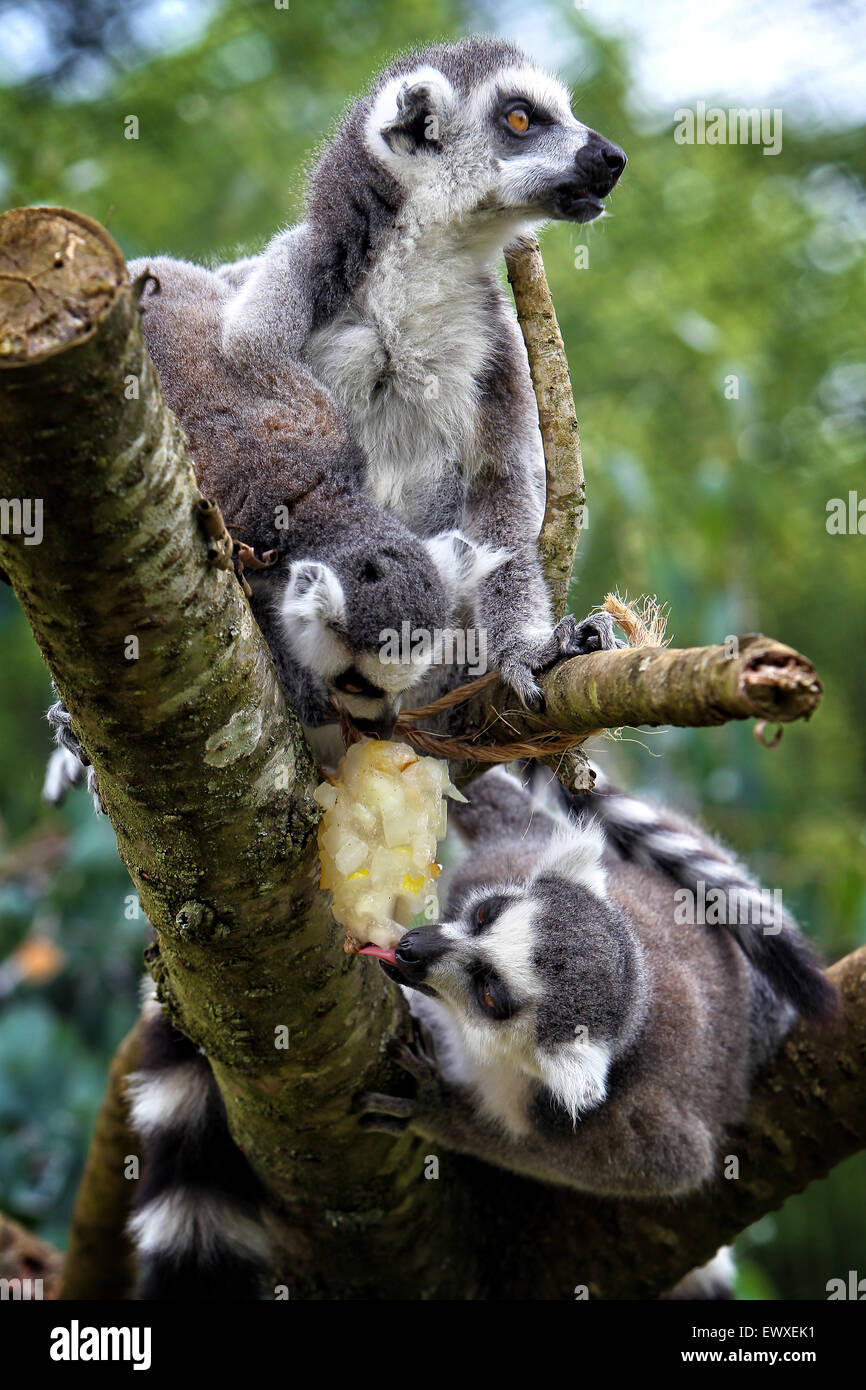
(384, 811)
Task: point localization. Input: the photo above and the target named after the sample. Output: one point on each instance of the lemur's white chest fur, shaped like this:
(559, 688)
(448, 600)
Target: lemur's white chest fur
(403, 359)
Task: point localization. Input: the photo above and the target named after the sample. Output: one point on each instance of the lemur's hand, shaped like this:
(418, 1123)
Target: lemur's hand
(433, 1099)
(525, 658)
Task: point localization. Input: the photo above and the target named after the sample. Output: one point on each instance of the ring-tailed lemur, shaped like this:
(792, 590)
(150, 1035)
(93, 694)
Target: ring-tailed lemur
(580, 1035)
(563, 992)
(387, 295)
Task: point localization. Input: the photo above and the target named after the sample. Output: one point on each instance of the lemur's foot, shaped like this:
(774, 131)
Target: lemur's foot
(520, 665)
(519, 677)
(393, 1114)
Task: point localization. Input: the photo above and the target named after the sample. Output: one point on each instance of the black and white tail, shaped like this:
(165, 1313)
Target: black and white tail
(769, 936)
(196, 1222)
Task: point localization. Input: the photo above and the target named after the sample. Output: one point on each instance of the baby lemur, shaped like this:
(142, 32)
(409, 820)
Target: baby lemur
(288, 476)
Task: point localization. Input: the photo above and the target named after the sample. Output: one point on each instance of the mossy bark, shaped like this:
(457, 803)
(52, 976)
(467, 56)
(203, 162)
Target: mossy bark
(753, 678)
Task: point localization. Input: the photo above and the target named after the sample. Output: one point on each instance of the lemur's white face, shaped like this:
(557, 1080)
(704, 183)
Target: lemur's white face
(368, 678)
(511, 966)
(314, 616)
(510, 152)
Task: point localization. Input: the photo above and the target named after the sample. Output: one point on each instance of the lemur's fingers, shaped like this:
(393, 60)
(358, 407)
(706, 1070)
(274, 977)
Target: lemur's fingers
(520, 678)
(382, 1124)
(370, 1104)
(595, 634)
(375, 1103)
(424, 1044)
(60, 721)
(412, 1059)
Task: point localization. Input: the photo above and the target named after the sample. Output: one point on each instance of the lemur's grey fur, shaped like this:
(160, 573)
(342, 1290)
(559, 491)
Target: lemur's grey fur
(578, 1034)
(620, 1048)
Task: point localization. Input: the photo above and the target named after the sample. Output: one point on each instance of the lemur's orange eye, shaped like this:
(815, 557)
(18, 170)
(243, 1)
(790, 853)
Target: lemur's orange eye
(488, 997)
(518, 119)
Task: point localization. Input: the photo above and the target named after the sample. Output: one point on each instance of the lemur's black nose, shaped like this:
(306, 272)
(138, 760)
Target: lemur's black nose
(417, 949)
(614, 158)
(600, 163)
(381, 727)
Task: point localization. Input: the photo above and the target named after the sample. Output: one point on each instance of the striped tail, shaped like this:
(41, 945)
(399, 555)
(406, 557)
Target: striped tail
(196, 1220)
(673, 845)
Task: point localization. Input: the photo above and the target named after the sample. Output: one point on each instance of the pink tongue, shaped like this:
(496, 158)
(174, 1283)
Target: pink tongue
(389, 956)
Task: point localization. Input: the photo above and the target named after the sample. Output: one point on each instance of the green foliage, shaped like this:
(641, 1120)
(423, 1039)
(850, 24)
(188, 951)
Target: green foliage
(715, 262)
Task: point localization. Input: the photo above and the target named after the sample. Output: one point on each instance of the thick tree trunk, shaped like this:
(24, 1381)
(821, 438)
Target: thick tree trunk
(203, 771)
(206, 778)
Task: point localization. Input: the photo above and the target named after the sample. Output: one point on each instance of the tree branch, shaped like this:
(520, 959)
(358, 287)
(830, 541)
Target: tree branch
(691, 687)
(557, 418)
(23, 1256)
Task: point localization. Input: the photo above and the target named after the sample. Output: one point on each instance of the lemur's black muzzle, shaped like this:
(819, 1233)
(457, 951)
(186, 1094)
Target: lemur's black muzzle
(417, 949)
(412, 957)
(597, 166)
(381, 727)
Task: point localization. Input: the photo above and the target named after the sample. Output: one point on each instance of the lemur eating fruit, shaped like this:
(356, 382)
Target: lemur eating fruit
(581, 1037)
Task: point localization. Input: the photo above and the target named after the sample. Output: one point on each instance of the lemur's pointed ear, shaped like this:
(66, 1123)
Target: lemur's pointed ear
(409, 112)
(576, 853)
(314, 594)
(463, 563)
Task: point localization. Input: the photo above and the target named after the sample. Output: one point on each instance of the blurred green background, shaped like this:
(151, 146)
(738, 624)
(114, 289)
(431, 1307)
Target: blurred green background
(714, 263)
